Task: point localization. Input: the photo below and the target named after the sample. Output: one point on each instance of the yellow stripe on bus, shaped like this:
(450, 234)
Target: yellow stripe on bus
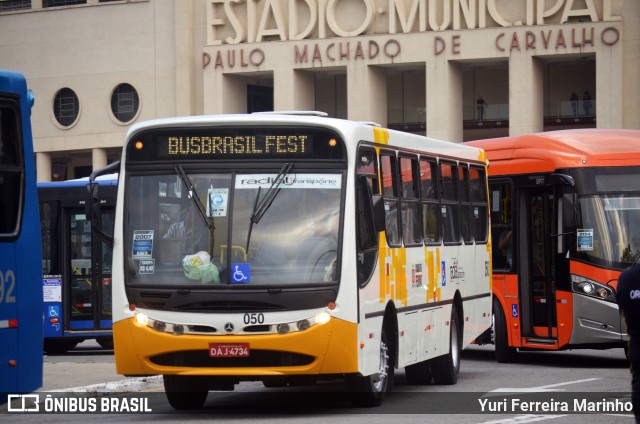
(380, 135)
(432, 259)
(332, 345)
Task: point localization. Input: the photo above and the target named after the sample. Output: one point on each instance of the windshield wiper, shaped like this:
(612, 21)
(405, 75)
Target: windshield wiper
(260, 207)
(193, 196)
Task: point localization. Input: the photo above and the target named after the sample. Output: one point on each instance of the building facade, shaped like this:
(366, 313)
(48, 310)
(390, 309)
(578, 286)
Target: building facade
(451, 69)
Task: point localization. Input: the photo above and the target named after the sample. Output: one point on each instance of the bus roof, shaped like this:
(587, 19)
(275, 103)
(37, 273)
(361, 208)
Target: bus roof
(103, 180)
(359, 130)
(552, 150)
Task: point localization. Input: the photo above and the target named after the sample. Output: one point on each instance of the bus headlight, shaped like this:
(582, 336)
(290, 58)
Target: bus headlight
(142, 319)
(283, 328)
(303, 324)
(323, 317)
(587, 287)
(160, 326)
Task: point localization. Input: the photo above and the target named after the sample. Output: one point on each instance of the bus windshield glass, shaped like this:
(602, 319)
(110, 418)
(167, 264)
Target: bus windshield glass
(173, 241)
(610, 234)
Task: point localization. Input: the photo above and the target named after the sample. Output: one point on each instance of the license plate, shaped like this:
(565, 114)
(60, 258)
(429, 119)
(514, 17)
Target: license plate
(228, 350)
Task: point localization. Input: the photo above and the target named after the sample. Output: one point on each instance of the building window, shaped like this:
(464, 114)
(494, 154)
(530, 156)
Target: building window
(66, 107)
(259, 98)
(125, 102)
(56, 3)
(11, 5)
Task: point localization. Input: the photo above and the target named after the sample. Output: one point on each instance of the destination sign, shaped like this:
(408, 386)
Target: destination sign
(223, 143)
(297, 144)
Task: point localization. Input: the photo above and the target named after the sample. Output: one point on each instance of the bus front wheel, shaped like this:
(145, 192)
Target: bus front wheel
(185, 392)
(445, 368)
(370, 390)
(105, 342)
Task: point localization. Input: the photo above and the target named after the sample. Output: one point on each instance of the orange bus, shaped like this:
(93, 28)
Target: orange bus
(565, 207)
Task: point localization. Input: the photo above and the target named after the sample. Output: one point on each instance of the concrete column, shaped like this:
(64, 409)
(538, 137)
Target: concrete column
(36, 4)
(526, 98)
(43, 166)
(444, 100)
(367, 94)
(184, 57)
(609, 87)
(224, 93)
(630, 64)
(293, 90)
(211, 84)
(98, 158)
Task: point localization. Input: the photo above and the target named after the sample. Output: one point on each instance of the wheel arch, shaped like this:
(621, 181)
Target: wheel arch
(458, 304)
(390, 324)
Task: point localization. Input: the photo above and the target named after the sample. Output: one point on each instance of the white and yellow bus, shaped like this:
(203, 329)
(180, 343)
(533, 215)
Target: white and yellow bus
(288, 247)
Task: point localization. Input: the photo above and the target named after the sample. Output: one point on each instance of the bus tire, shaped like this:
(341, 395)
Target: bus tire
(185, 392)
(59, 346)
(105, 342)
(504, 352)
(418, 374)
(445, 368)
(369, 390)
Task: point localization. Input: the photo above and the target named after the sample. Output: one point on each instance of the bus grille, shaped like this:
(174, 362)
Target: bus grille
(258, 358)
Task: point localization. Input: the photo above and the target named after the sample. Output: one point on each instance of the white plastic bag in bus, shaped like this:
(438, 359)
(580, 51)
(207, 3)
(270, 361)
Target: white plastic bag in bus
(198, 267)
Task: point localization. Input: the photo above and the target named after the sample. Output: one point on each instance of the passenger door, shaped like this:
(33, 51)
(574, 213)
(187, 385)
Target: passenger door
(536, 272)
(88, 294)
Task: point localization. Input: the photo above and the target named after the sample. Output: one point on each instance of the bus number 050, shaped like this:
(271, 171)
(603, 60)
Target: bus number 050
(253, 318)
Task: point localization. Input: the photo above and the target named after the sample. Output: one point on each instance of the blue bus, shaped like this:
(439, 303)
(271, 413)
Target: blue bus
(76, 267)
(20, 256)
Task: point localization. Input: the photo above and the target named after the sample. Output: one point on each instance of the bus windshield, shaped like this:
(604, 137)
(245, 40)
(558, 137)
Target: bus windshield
(610, 234)
(295, 241)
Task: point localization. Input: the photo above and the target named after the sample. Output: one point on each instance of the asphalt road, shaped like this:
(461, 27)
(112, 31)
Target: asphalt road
(537, 378)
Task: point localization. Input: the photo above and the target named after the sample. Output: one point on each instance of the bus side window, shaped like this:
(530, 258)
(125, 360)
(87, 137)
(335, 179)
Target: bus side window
(367, 236)
(501, 225)
(450, 209)
(10, 164)
(479, 204)
(389, 177)
(465, 204)
(410, 206)
(430, 201)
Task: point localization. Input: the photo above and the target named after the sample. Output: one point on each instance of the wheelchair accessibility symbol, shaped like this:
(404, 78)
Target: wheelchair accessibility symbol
(241, 273)
(54, 311)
